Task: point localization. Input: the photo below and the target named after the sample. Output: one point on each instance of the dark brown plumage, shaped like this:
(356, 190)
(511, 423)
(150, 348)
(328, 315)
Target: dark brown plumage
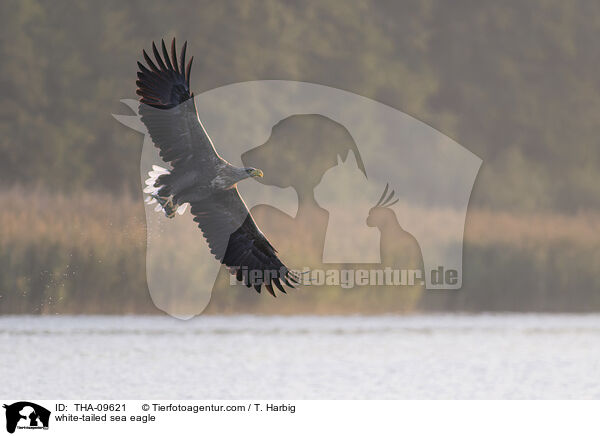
(200, 177)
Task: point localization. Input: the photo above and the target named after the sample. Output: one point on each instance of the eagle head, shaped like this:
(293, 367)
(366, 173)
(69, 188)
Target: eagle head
(254, 172)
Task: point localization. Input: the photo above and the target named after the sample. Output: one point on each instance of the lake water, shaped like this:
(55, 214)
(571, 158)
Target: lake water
(301, 357)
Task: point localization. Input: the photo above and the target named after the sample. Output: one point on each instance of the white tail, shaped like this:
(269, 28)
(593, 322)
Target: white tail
(152, 190)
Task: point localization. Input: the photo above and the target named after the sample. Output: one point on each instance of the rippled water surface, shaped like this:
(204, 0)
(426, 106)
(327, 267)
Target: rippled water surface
(434, 356)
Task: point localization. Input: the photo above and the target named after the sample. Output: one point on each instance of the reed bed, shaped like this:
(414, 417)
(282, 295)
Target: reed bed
(86, 253)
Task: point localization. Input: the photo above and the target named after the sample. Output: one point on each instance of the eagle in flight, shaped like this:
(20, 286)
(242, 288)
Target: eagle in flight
(199, 176)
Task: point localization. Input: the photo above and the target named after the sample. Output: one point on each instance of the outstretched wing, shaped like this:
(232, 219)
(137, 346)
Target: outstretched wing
(167, 109)
(236, 241)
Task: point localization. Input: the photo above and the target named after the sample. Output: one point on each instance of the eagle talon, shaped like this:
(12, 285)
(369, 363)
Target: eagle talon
(167, 205)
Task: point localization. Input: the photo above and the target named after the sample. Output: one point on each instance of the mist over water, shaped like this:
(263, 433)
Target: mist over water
(301, 357)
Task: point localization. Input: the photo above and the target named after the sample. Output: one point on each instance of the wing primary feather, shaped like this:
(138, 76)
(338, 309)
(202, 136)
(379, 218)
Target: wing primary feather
(150, 63)
(166, 55)
(143, 68)
(182, 65)
(174, 56)
(158, 58)
(278, 284)
(187, 71)
(270, 289)
(145, 96)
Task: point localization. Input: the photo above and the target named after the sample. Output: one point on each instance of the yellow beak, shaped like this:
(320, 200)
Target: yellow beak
(257, 173)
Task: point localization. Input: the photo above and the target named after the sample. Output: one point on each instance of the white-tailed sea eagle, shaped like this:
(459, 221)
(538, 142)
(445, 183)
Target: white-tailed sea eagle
(199, 176)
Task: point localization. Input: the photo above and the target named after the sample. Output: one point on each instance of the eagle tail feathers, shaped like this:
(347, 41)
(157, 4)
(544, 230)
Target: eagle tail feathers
(158, 193)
